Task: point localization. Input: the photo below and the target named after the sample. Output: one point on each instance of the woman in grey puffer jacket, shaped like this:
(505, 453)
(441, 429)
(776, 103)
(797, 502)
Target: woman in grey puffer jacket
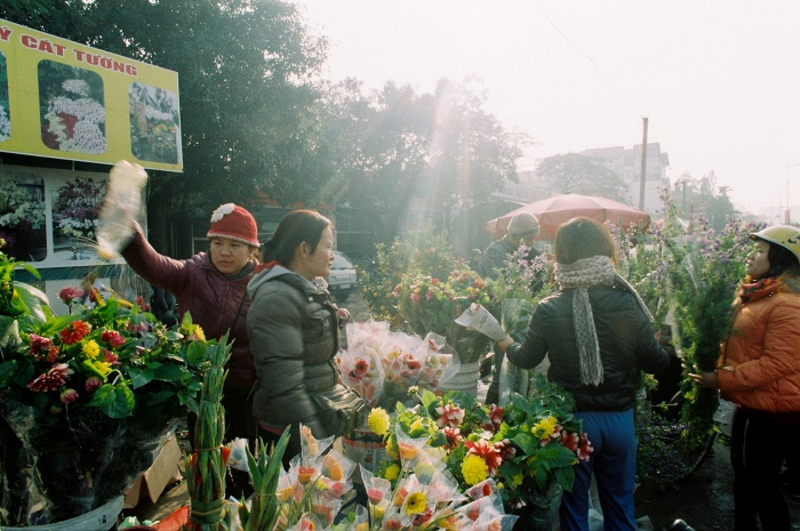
(596, 331)
(294, 328)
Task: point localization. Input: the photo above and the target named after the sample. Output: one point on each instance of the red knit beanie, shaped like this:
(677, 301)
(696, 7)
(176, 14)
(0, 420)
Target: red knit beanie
(233, 222)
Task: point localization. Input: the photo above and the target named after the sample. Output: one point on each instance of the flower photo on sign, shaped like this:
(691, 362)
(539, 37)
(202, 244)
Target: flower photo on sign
(72, 111)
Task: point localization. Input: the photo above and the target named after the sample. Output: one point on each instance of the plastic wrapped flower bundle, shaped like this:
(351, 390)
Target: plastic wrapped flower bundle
(382, 364)
(311, 492)
(527, 447)
(85, 398)
(424, 495)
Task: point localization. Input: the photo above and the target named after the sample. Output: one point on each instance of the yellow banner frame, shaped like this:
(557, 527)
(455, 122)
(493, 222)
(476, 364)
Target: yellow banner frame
(68, 101)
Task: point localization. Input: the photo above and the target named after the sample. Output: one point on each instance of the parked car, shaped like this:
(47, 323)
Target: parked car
(343, 278)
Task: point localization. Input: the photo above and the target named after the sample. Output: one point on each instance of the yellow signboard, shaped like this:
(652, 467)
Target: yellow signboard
(61, 99)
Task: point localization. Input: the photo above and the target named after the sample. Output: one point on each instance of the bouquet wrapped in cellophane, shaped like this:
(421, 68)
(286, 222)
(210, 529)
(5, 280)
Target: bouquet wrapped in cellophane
(381, 364)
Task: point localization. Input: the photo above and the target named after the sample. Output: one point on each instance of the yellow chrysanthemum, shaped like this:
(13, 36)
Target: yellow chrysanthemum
(415, 504)
(379, 421)
(392, 472)
(91, 349)
(103, 367)
(474, 469)
(544, 428)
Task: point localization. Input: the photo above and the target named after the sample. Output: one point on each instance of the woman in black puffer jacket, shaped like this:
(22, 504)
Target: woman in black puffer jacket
(597, 333)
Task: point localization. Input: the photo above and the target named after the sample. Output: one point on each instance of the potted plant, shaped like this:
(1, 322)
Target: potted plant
(85, 398)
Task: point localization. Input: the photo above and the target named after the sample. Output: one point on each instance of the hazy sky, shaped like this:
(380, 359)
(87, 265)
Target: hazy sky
(719, 81)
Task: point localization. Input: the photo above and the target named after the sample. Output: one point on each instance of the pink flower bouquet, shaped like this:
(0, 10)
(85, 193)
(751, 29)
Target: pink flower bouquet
(382, 364)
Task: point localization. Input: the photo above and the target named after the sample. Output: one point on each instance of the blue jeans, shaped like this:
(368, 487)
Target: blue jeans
(613, 463)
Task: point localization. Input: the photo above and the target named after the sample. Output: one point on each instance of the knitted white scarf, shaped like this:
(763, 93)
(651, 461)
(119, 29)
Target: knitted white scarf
(582, 274)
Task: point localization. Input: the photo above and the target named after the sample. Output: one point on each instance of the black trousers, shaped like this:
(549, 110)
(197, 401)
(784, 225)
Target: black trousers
(758, 449)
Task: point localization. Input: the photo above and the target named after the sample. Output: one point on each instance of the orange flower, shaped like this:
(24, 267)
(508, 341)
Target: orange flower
(331, 468)
(305, 473)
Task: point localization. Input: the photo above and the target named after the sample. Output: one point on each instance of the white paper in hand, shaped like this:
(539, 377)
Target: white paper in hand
(478, 318)
(120, 206)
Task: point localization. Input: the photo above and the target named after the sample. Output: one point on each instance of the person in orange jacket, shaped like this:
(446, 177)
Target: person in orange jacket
(759, 371)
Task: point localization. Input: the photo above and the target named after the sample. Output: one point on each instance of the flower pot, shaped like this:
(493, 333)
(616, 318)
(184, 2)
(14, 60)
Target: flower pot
(465, 380)
(541, 511)
(101, 519)
(364, 448)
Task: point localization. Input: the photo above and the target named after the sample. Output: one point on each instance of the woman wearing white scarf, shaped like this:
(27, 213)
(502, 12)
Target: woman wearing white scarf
(598, 334)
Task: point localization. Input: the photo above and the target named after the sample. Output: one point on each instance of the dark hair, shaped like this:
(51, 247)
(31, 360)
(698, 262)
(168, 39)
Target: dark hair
(781, 260)
(581, 238)
(296, 227)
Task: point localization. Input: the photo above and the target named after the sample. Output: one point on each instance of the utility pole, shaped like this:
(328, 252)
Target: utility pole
(643, 176)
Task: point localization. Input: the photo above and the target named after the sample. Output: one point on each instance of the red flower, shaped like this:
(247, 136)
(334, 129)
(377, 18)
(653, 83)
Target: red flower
(112, 338)
(76, 331)
(449, 415)
(52, 354)
(111, 358)
(585, 448)
(415, 298)
(569, 440)
(38, 344)
(69, 294)
(68, 396)
(495, 418)
(490, 453)
(142, 305)
(93, 383)
(52, 379)
(453, 436)
(361, 368)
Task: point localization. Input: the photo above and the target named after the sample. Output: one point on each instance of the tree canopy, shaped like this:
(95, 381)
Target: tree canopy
(703, 197)
(575, 173)
(258, 119)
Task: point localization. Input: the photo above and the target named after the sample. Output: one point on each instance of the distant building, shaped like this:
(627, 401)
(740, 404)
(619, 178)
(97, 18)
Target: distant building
(627, 163)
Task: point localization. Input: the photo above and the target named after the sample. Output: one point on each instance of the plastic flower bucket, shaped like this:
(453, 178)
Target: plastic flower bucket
(101, 519)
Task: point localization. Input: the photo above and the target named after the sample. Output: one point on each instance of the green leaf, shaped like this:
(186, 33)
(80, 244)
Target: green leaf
(116, 401)
(526, 442)
(168, 372)
(140, 377)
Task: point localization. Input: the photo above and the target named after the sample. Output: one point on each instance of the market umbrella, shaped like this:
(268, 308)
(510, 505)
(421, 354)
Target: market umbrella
(554, 211)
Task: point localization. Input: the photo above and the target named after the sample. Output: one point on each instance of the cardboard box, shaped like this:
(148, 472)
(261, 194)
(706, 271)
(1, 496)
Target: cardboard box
(152, 482)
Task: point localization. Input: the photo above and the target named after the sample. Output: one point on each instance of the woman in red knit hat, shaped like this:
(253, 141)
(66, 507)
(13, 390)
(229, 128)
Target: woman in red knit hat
(212, 287)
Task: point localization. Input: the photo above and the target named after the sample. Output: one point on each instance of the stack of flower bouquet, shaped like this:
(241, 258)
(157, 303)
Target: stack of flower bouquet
(424, 496)
(381, 364)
